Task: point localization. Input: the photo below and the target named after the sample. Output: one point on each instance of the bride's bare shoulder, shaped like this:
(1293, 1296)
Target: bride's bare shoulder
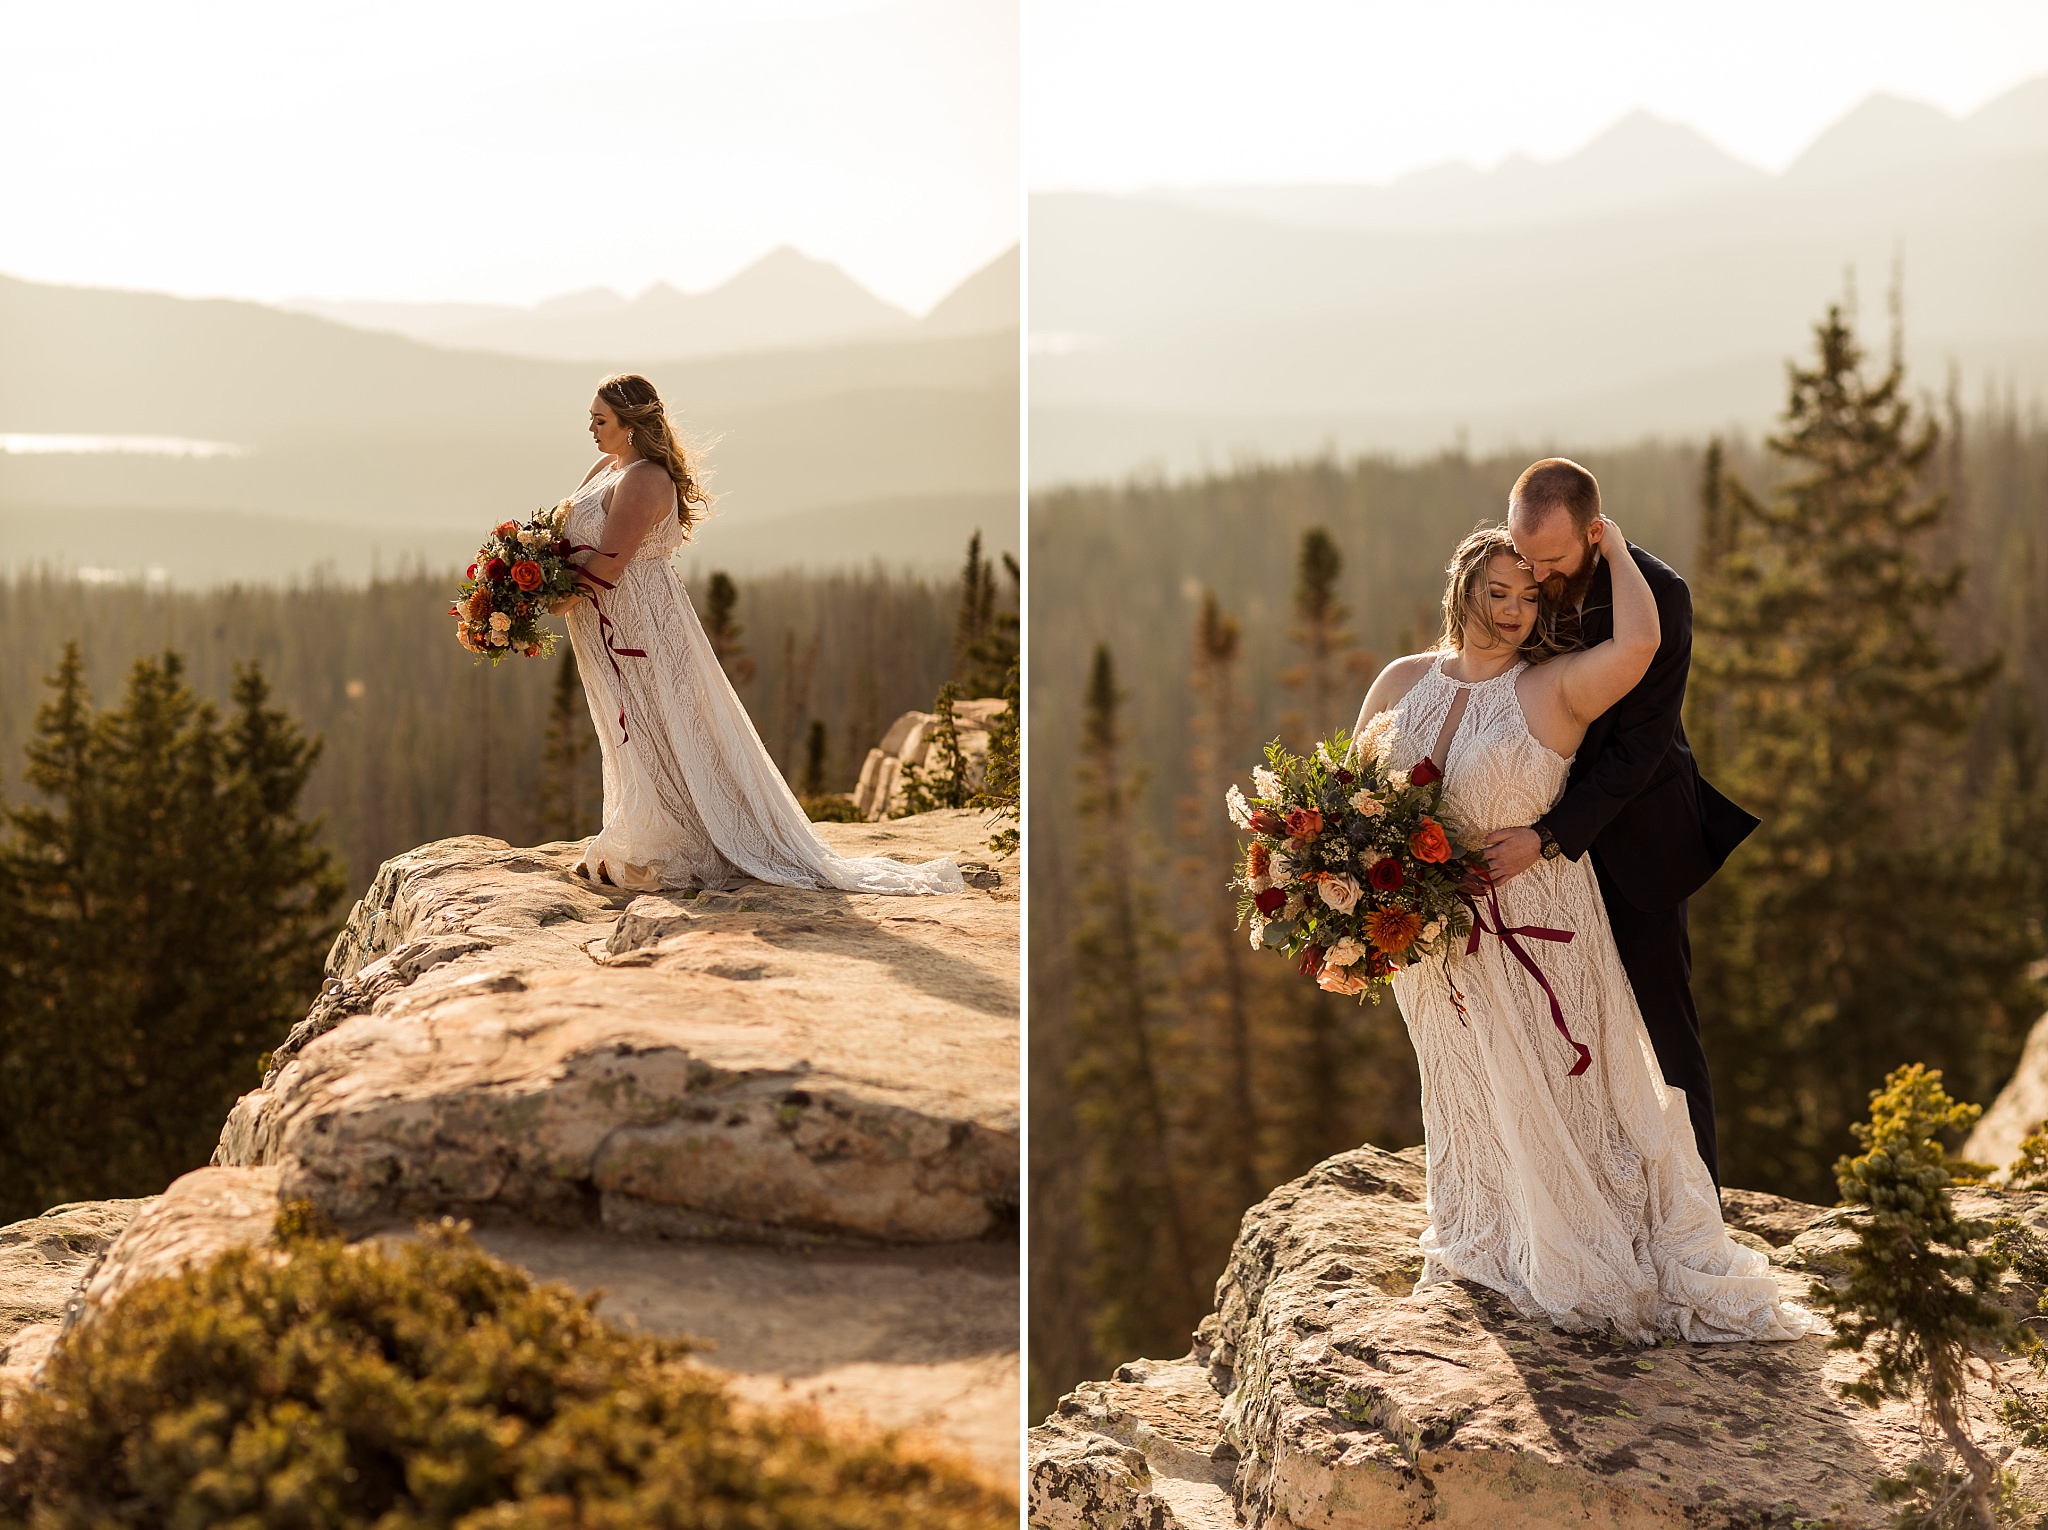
(1397, 680)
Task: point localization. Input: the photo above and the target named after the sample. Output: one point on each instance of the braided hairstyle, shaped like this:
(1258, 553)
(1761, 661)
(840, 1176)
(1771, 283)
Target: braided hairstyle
(639, 408)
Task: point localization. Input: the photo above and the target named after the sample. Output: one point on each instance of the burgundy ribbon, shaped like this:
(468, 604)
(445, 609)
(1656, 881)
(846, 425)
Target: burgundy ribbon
(1507, 933)
(604, 628)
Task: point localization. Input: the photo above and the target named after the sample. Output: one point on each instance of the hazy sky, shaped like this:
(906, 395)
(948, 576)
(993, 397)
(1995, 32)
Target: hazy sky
(1129, 93)
(503, 150)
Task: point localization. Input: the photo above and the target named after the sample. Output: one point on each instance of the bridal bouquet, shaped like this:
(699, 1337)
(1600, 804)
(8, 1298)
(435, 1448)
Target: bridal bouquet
(1351, 867)
(518, 571)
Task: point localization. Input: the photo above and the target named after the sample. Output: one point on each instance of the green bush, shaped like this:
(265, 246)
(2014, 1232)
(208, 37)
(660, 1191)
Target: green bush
(316, 1384)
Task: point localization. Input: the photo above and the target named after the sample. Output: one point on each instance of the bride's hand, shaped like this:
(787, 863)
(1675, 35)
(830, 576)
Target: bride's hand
(1607, 536)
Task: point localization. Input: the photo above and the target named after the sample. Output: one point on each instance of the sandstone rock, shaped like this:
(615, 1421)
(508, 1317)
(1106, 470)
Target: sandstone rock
(44, 1264)
(770, 1063)
(2021, 1106)
(1346, 1398)
(907, 745)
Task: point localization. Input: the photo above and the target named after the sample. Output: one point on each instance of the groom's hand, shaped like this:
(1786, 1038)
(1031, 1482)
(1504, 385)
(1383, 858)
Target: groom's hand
(1510, 852)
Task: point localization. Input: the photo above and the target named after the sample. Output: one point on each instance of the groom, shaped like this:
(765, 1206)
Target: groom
(1635, 798)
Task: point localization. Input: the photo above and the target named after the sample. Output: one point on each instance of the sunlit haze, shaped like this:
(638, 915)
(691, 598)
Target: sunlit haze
(1196, 92)
(507, 151)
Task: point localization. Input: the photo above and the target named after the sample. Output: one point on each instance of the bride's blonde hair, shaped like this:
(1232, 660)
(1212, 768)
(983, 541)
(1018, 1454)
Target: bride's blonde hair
(1465, 604)
(639, 408)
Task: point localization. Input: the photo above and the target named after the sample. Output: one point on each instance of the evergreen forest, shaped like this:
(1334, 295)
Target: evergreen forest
(1870, 674)
(204, 780)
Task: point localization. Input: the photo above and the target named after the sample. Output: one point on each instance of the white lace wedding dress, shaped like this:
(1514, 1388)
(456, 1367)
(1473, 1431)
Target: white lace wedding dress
(691, 797)
(1580, 1198)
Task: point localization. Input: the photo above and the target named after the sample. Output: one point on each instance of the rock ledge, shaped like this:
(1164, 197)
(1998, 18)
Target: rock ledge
(1326, 1392)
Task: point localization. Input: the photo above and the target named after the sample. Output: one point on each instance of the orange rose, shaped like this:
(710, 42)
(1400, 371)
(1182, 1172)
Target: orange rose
(527, 575)
(1428, 842)
(508, 528)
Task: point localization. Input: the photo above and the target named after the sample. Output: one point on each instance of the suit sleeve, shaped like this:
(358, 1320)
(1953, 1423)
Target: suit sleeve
(1645, 721)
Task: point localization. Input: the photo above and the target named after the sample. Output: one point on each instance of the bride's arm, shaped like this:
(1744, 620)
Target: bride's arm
(639, 500)
(1594, 679)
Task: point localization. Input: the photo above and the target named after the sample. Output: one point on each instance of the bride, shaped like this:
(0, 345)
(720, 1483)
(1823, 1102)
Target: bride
(691, 798)
(1579, 1195)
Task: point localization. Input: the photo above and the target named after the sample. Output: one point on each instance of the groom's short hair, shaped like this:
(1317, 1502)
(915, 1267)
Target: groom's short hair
(1557, 483)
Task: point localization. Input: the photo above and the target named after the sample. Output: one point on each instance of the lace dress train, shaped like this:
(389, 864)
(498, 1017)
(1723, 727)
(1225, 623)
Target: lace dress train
(691, 796)
(1581, 1199)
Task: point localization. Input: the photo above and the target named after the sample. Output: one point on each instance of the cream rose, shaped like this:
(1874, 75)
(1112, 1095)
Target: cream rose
(1367, 805)
(1339, 892)
(500, 620)
(1344, 953)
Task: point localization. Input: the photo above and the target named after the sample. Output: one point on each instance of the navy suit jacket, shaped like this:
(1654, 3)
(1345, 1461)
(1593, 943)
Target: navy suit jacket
(1635, 798)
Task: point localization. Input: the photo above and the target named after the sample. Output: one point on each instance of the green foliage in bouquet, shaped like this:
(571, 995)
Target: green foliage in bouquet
(318, 1384)
(518, 573)
(1352, 864)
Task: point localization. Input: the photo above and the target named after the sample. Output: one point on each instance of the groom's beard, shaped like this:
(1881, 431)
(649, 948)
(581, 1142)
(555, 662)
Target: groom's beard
(1568, 591)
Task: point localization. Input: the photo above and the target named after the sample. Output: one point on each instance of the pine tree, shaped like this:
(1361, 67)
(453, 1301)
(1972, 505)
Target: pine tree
(566, 748)
(1332, 666)
(1141, 1269)
(1875, 905)
(815, 746)
(985, 630)
(1318, 1038)
(1214, 982)
(169, 912)
(941, 781)
(721, 625)
(1002, 789)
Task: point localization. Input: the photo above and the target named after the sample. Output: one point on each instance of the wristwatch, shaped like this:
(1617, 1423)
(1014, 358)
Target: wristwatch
(1551, 848)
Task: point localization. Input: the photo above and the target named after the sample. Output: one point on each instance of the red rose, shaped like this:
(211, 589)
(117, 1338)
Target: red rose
(1428, 842)
(1264, 822)
(495, 569)
(1303, 823)
(562, 548)
(527, 575)
(1311, 961)
(1385, 875)
(1270, 902)
(1424, 773)
(1346, 777)
(470, 572)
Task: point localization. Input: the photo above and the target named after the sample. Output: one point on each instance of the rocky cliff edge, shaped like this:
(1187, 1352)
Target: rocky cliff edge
(781, 1120)
(1326, 1393)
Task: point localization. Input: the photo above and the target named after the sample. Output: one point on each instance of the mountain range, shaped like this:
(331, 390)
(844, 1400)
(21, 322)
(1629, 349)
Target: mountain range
(785, 299)
(362, 447)
(1650, 284)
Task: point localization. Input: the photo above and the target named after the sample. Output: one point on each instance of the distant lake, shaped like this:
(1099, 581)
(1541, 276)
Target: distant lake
(30, 444)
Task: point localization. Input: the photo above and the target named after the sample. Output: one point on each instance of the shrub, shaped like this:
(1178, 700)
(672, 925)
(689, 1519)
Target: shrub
(316, 1384)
